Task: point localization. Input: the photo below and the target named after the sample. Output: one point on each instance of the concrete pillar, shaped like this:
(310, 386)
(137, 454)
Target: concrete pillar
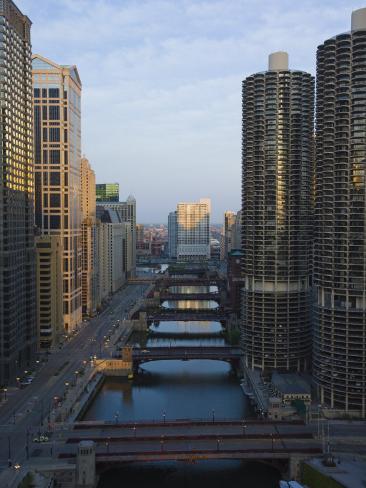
(85, 465)
(294, 467)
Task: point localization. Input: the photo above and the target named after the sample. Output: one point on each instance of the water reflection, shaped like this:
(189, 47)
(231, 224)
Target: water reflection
(215, 474)
(190, 304)
(193, 289)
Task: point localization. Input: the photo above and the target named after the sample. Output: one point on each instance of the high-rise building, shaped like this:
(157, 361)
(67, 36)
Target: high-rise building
(107, 192)
(127, 213)
(340, 238)
(237, 232)
(140, 233)
(88, 204)
(227, 235)
(172, 234)
(277, 159)
(57, 130)
(114, 251)
(18, 334)
(193, 230)
(50, 324)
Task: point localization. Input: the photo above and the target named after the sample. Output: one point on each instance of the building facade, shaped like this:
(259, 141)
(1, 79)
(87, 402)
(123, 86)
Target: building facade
(88, 216)
(107, 192)
(228, 233)
(57, 143)
(18, 334)
(172, 234)
(340, 239)
(277, 159)
(193, 230)
(127, 213)
(50, 322)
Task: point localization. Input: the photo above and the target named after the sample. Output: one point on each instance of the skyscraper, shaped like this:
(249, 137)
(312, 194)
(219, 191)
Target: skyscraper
(340, 241)
(57, 127)
(18, 335)
(193, 230)
(127, 213)
(172, 234)
(277, 163)
(89, 263)
(107, 192)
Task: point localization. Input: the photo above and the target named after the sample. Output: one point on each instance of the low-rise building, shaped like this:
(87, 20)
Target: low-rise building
(291, 387)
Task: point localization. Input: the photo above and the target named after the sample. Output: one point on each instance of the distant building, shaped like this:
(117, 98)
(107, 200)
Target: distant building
(227, 235)
(172, 234)
(50, 325)
(89, 263)
(127, 213)
(140, 233)
(18, 335)
(107, 192)
(235, 280)
(193, 231)
(57, 144)
(236, 231)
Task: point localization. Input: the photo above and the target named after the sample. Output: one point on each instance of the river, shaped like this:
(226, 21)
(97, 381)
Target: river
(180, 389)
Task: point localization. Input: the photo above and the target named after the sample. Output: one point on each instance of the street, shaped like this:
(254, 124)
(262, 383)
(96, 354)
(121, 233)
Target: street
(22, 414)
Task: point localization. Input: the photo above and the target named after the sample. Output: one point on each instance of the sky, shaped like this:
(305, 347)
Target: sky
(161, 101)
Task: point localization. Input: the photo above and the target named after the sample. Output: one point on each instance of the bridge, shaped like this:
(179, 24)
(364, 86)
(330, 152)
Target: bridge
(187, 314)
(190, 440)
(217, 353)
(170, 296)
(157, 334)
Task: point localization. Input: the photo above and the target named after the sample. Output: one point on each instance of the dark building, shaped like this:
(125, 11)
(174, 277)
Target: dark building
(18, 335)
(235, 279)
(277, 158)
(107, 192)
(340, 241)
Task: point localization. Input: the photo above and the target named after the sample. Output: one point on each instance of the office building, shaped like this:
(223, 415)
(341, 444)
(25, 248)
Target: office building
(140, 233)
(57, 119)
(107, 192)
(50, 322)
(88, 216)
(277, 159)
(236, 232)
(193, 230)
(172, 234)
(18, 334)
(127, 213)
(340, 238)
(114, 251)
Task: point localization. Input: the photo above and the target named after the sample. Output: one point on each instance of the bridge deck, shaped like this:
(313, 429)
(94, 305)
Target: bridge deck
(223, 353)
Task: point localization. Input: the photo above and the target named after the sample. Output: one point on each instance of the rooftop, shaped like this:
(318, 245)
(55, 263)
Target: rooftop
(290, 383)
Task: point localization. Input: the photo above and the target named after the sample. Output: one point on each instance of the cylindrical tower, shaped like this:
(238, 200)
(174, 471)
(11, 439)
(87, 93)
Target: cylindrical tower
(277, 159)
(340, 213)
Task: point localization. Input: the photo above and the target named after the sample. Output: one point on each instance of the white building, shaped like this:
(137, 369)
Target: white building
(193, 230)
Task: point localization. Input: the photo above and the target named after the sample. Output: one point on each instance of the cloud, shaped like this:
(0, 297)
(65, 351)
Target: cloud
(162, 84)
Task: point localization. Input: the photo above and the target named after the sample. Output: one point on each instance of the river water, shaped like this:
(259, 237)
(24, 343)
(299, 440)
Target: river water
(180, 389)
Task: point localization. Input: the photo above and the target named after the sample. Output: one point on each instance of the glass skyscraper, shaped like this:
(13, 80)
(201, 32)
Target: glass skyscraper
(277, 159)
(18, 336)
(107, 192)
(340, 213)
(57, 131)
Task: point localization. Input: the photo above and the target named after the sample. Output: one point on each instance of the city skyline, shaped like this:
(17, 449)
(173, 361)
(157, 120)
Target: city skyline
(176, 87)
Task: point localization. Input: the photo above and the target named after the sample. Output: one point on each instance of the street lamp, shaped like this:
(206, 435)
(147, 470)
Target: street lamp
(164, 416)
(5, 390)
(213, 416)
(244, 428)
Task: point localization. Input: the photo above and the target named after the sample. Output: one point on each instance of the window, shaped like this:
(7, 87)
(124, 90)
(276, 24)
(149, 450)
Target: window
(44, 112)
(54, 112)
(55, 221)
(55, 178)
(44, 92)
(54, 93)
(55, 200)
(66, 158)
(45, 135)
(54, 157)
(45, 156)
(65, 114)
(65, 135)
(54, 134)
(37, 93)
